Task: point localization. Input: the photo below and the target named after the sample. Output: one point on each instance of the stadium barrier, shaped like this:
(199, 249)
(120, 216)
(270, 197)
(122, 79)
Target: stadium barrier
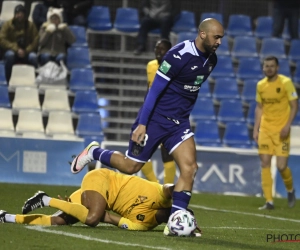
(221, 170)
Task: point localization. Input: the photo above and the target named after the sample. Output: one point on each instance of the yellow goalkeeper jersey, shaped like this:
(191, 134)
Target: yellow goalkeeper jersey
(275, 97)
(135, 199)
(152, 67)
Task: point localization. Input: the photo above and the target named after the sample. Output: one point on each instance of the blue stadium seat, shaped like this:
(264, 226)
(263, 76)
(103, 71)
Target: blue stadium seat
(99, 18)
(249, 68)
(89, 138)
(294, 53)
(239, 25)
(186, 35)
(224, 68)
(127, 20)
(237, 135)
(215, 15)
(263, 27)
(284, 67)
(224, 47)
(78, 57)
(80, 34)
(225, 88)
(204, 90)
(4, 97)
(207, 133)
(296, 78)
(248, 92)
(81, 79)
(230, 111)
(2, 75)
(89, 124)
(272, 46)
(85, 102)
(203, 109)
(244, 46)
(251, 113)
(186, 22)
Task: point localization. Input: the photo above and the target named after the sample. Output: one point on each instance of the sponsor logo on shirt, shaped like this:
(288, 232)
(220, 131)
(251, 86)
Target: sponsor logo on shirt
(164, 67)
(199, 80)
(191, 88)
(140, 217)
(278, 90)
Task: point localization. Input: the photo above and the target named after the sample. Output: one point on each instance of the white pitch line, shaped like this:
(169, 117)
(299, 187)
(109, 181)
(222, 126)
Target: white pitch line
(245, 213)
(79, 236)
(248, 228)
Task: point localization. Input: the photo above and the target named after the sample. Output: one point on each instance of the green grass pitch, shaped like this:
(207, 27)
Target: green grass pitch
(228, 222)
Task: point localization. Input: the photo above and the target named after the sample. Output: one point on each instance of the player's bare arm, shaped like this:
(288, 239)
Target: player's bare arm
(258, 114)
(286, 129)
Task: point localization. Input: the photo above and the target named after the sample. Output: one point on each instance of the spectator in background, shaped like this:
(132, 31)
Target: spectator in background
(40, 11)
(19, 39)
(77, 11)
(156, 14)
(282, 10)
(54, 36)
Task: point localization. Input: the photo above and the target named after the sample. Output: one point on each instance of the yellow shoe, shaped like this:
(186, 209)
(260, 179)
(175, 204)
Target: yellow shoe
(81, 160)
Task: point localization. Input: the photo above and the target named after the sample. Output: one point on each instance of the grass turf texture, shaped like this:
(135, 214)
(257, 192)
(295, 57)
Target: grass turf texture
(228, 222)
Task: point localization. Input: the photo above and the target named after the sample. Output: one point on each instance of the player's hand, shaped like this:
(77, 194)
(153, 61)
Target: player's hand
(68, 199)
(284, 133)
(138, 134)
(255, 135)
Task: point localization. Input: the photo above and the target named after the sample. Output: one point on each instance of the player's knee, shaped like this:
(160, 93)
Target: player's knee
(92, 220)
(190, 170)
(281, 167)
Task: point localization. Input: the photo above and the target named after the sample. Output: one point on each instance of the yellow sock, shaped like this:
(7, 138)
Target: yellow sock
(267, 183)
(34, 219)
(287, 178)
(74, 209)
(170, 171)
(147, 170)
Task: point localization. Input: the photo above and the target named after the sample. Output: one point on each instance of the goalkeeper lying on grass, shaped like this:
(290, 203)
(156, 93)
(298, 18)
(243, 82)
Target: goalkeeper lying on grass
(137, 204)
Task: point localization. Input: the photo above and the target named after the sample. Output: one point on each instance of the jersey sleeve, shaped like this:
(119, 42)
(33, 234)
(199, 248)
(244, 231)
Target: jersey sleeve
(127, 224)
(257, 96)
(290, 90)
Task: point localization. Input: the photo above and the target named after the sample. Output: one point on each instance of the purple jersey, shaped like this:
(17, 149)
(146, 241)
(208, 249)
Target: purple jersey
(185, 68)
(171, 99)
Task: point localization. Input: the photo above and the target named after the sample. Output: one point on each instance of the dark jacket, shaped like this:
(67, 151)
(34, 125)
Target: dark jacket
(174, 9)
(13, 37)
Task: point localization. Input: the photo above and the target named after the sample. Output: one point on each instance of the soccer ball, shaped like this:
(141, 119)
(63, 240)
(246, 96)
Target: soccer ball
(182, 223)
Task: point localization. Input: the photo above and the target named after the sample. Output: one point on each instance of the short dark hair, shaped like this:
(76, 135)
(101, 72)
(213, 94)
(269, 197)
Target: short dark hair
(166, 42)
(271, 58)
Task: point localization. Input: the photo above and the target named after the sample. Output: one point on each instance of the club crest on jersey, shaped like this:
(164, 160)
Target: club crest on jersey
(164, 67)
(199, 80)
(278, 90)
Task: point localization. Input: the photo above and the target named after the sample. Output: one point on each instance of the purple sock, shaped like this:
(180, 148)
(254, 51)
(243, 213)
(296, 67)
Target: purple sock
(180, 200)
(103, 155)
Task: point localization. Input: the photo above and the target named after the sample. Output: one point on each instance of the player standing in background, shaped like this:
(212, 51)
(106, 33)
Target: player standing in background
(161, 48)
(275, 111)
(164, 116)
